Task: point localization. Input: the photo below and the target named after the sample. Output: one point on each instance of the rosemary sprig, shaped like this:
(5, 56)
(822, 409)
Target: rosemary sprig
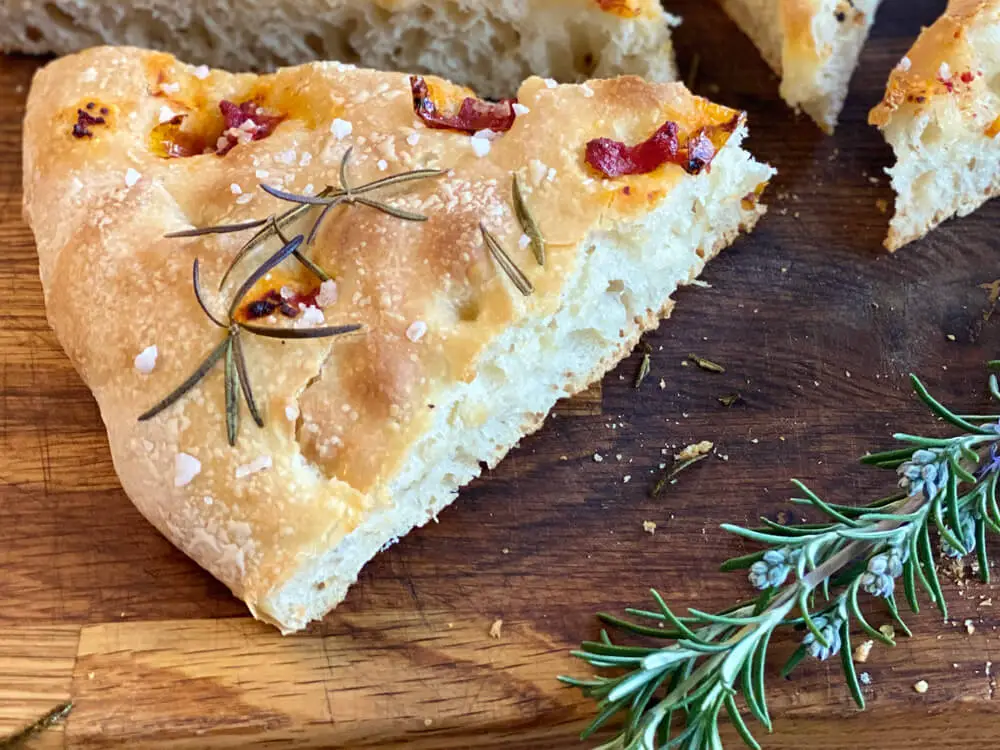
(509, 267)
(328, 198)
(53, 717)
(230, 349)
(809, 578)
(348, 195)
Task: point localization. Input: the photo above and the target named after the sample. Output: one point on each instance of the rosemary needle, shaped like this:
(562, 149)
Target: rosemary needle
(527, 221)
(508, 266)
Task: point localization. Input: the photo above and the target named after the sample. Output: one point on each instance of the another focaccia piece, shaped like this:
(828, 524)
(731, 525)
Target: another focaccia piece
(367, 435)
(491, 45)
(813, 45)
(941, 115)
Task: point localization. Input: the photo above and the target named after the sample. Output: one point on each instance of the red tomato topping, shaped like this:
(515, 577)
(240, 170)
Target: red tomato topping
(615, 159)
(245, 122)
(473, 115)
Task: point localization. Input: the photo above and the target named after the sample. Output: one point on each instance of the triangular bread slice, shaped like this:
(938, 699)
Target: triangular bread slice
(463, 348)
(941, 115)
(491, 45)
(813, 45)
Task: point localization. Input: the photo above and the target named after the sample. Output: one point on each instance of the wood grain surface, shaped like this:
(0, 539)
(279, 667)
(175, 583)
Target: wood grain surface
(817, 329)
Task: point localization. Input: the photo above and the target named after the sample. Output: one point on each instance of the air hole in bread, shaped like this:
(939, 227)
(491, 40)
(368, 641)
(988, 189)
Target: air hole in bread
(923, 185)
(33, 34)
(468, 311)
(60, 18)
(932, 134)
(317, 45)
(994, 84)
(147, 29)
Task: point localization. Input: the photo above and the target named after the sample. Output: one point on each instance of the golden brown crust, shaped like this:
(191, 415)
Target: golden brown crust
(340, 414)
(920, 77)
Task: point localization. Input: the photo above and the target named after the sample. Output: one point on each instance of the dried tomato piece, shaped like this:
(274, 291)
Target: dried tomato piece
(614, 159)
(473, 114)
(245, 122)
(85, 121)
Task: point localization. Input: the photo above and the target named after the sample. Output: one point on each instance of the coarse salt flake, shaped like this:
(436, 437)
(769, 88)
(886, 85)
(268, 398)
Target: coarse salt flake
(944, 72)
(145, 360)
(416, 330)
(261, 463)
(905, 64)
(235, 189)
(519, 109)
(341, 128)
(201, 72)
(382, 165)
(170, 88)
(312, 316)
(480, 146)
(327, 293)
(166, 114)
(291, 412)
(245, 198)
(261, 174)
(186, 468)
(537, 171)
(414, 138)
(550, 83)
(132, 176)
(523, 241)
(89, 75)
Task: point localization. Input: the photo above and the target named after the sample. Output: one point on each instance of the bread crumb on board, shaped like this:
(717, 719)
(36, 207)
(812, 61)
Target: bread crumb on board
(649, 526)
(921, 686)
(863, 650)
(495, 629)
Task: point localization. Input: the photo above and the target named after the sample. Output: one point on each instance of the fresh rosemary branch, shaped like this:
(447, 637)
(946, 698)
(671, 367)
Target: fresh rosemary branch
(810, 578)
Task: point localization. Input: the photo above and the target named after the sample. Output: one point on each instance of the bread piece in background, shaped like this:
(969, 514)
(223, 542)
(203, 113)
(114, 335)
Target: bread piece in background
(490, 45)
(941, 115)
(813, 45)
(369, 435)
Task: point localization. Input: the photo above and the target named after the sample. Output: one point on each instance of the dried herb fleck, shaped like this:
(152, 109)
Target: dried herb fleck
(644, 365)
(53, 717)
(729, 399)
(706, 364)
(670, 474)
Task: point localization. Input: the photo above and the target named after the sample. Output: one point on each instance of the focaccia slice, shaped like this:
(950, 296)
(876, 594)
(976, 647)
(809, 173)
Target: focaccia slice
(941, 115)
(813, 45)
(471, 322)
(491, 45)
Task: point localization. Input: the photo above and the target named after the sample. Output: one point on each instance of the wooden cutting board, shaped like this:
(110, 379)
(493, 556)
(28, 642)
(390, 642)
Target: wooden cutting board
(817, 330)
